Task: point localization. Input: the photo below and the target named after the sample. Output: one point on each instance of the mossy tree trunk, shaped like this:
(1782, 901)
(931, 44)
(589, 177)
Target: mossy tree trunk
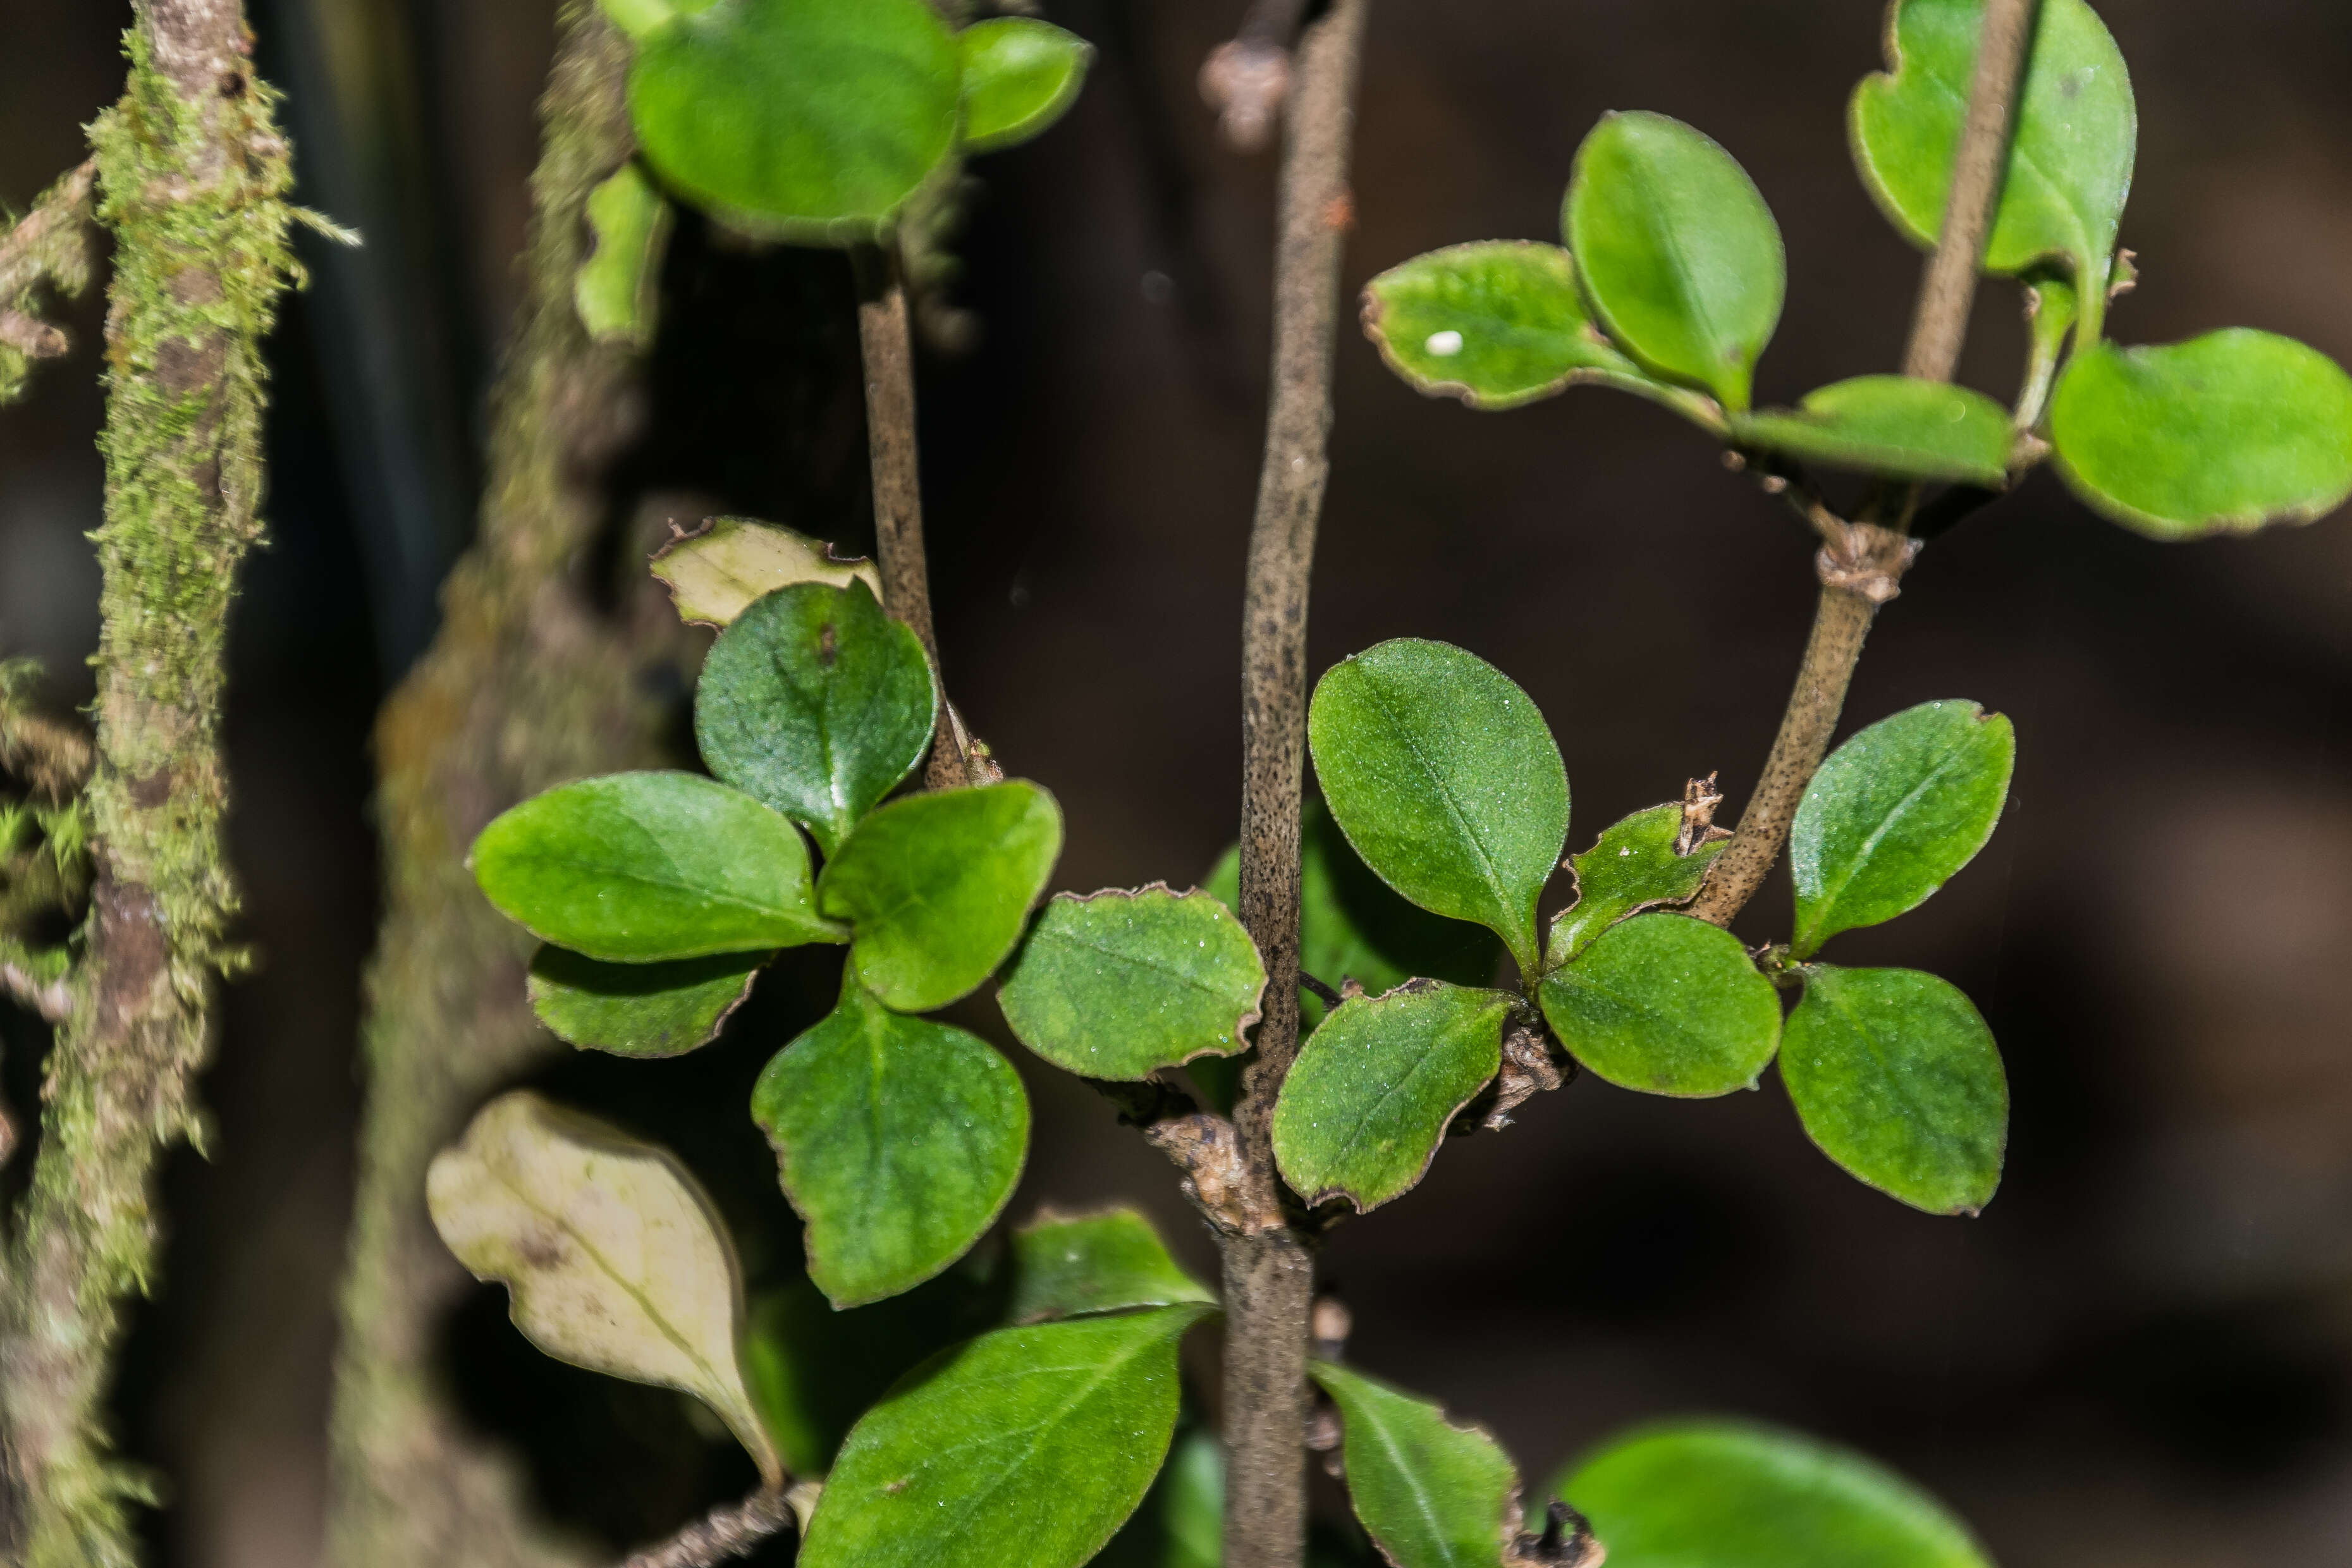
(191, 178)
(526, 685)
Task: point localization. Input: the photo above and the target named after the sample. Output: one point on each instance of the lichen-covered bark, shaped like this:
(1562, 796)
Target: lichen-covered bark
(192, 176)
(525, 685)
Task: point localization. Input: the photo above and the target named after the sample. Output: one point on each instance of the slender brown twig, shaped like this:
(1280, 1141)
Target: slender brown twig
(1268, 1274)
(1861, 564)
(888, 347)
(722, 1535)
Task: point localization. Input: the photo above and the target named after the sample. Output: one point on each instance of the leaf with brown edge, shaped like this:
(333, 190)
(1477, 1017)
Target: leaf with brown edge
(715, 573)
(1373, 1090)
(1430, 1494)
(1118, 984)
(613, 1256)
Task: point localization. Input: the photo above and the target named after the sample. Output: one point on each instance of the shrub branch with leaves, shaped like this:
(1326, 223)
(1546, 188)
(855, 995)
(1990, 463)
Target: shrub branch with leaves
(1405, 904)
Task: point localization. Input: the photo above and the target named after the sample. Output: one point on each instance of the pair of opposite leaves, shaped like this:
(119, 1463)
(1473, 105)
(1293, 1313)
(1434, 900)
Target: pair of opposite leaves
(1028, 1446)
(1674, 277)
(817, 120)
(1448, 784)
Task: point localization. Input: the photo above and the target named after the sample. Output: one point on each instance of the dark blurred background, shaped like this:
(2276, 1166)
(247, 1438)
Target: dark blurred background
(2141, 1353)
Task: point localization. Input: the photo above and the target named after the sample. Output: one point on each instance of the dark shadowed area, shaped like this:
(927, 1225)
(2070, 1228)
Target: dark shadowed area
(2141, 1354)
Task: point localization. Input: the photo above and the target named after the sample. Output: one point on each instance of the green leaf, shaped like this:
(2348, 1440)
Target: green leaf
(2071, 151)
(2052, 308)
(1025, 1448)
(1679, 254)
(937, 886)
(645, 868)
(1430, 1494)
(613, 1257)
(1497, 323)
(809, 120)
(2222, 434)
(1897, 1079)
(1070, 1266)
(1118, 984)
(1667, 1005)
(901, 1140)
(643, 18)
(1353, 926)
(1725, 1494)
(1638, 864)
(618, 289)
(1368, 1100)
(1444, 779)
(714, 574)
(1894, 812)
(816, 703)
(1019, 74)
(639, 1009)
(1890, 425)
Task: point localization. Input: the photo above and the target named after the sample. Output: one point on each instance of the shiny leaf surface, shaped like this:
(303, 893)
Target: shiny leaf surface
(1679, 254)
(1442, 774)
(1069, 1266)
(2222, 434)
(1497, 323)
(1667, 1005)
(1019, 74)
(937, 886)
(1890, 425)
(2071, 151)
(1430, 1494)
(1631, 867)
(1897, 1079)
(815, 703)
(639, 1009)
(899, 1141)
(648, 866)
(1894, 812)
(1369, 1099)
(1025, 1448)
(1118, 984)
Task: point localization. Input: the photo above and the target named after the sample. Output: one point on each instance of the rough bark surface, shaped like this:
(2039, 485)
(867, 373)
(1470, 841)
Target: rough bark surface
(525, 685)
(192, 176)
(1269, 1275)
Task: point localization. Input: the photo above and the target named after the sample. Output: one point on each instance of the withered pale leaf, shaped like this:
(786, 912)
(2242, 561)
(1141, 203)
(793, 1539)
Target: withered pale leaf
(715, 573)
(613, 1256)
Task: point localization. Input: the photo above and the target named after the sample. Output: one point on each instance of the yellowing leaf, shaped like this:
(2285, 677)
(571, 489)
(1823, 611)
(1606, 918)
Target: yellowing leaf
(716, 571)
(613, 1256)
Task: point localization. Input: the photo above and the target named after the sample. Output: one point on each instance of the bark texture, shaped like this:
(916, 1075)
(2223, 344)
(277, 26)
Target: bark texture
(1269, 1274)
(526, 685)
(191, 178)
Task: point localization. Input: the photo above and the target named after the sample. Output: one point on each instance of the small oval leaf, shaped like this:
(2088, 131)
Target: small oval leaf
(649, 866)
(1444, 779)
(1369, 1099)
(809, 120)
(1023, 1449)
(639, 1009)
(1497, 323)
(1019, 74)
(1897, 1079)
(937, 886)
(1679, 254)
(1894, 813)
(816, 703)
(613, 1256)
(1353, 926)
(1726, 1494)
(899, 1140)
(714, 574)
(1430, 1494)
(2222, 434)
(1072, 1266)
(1118, 984)
(2071, 149)
(1666, 1004)
(1639, 863)
(1890, 425)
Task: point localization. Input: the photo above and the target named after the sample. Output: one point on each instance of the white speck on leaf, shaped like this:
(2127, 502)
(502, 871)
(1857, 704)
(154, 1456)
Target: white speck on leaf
(1445, 344)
